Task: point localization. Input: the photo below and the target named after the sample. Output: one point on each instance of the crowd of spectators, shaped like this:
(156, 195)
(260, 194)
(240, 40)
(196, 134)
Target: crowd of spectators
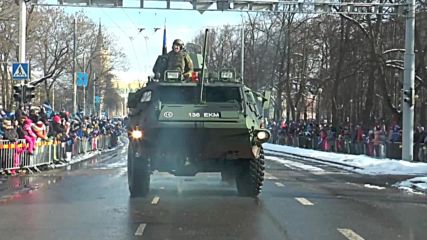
(345, 138)
(43, 123)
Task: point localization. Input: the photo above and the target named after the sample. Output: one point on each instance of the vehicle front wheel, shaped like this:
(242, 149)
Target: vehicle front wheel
(250, 179)
(138, 174)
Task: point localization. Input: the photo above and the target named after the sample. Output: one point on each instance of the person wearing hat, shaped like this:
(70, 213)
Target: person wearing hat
(57, 129)
(40, 130)
(9, 131)
(34, 115)
(30, 137)
(179, 60)
(11, 135)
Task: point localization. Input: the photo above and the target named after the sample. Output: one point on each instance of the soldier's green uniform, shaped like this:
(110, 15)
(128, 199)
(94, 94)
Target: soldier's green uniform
(180, 61)
(176, 60)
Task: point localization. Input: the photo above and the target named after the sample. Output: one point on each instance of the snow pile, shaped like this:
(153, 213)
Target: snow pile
(418, 183)
(362, 164)
(367, 165)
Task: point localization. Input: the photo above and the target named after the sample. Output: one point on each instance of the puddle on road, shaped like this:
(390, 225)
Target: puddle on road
(13, 187)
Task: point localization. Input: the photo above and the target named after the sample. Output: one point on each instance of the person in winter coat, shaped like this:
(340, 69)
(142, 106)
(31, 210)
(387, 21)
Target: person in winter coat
(419, 145)
(56, 129)
(9, 131)
(40, 130)
(34, 115)
(76, 128)
(377, 141)
(323, 140)
(358, 139)
(30, 137)
(11, 134)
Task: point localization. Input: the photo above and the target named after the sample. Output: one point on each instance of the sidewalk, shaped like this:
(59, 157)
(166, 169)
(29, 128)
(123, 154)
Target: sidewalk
(361, 164)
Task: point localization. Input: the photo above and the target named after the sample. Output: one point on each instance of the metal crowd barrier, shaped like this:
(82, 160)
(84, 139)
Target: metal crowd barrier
(382, 149)
(15, 155)
(42, 153)
(12, 154)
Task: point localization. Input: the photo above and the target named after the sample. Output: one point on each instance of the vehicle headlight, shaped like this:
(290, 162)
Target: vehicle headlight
(263, 136)
(136, 134)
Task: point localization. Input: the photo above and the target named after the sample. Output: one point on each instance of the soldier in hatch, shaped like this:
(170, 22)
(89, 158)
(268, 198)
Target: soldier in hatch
(178, 59)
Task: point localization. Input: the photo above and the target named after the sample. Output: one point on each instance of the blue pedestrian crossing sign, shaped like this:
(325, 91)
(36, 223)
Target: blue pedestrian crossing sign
(20, 71)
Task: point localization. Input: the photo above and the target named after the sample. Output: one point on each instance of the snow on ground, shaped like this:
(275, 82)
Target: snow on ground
(418, 183)
(373, 186)
(364, 164)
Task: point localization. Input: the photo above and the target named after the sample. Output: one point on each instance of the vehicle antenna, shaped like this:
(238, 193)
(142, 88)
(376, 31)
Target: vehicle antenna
(203, 65)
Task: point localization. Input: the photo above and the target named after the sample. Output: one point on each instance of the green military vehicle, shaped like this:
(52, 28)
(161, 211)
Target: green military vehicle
(186, 126)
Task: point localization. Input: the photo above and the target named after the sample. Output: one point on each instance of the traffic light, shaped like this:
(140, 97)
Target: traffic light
(29, 92)
(23, 93)
(408, 96)
(18, 93)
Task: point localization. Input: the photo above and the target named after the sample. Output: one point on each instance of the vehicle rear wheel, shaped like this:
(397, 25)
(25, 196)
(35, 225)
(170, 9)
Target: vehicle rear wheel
(251, 177)
(138, 174)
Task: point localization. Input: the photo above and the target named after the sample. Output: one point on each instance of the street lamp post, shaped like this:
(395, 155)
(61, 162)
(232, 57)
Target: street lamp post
(409, 83)
(22, 28)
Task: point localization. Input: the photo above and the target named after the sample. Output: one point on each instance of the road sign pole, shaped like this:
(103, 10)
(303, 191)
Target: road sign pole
(74, 68)
(21, 102)
(84, 100)
(93, 95)
(242, 42)
(22, 28)
(408, 83)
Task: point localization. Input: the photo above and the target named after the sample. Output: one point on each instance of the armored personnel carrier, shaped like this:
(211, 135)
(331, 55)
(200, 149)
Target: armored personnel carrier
(185, 126)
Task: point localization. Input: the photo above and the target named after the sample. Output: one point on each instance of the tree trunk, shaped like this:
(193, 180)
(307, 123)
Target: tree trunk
(3, 85)
(370, 95)
(338, 71)
(47, 91)
(278, 108)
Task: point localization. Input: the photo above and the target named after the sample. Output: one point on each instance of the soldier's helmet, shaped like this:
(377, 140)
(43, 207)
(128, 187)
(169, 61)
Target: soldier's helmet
(178, 42)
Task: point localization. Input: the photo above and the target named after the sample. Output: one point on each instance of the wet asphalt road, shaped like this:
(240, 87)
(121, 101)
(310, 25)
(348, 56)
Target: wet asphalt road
(91, 201)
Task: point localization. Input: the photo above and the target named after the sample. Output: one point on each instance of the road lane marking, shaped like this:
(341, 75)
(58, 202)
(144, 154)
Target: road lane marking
(156, 200)
(279, 184)
(350, 234)
(140, 229)
(304, 201)
(270, 177)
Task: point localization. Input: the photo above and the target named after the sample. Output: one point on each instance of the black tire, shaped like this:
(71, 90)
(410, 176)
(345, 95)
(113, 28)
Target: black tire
(138, 174)
(250, 179)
